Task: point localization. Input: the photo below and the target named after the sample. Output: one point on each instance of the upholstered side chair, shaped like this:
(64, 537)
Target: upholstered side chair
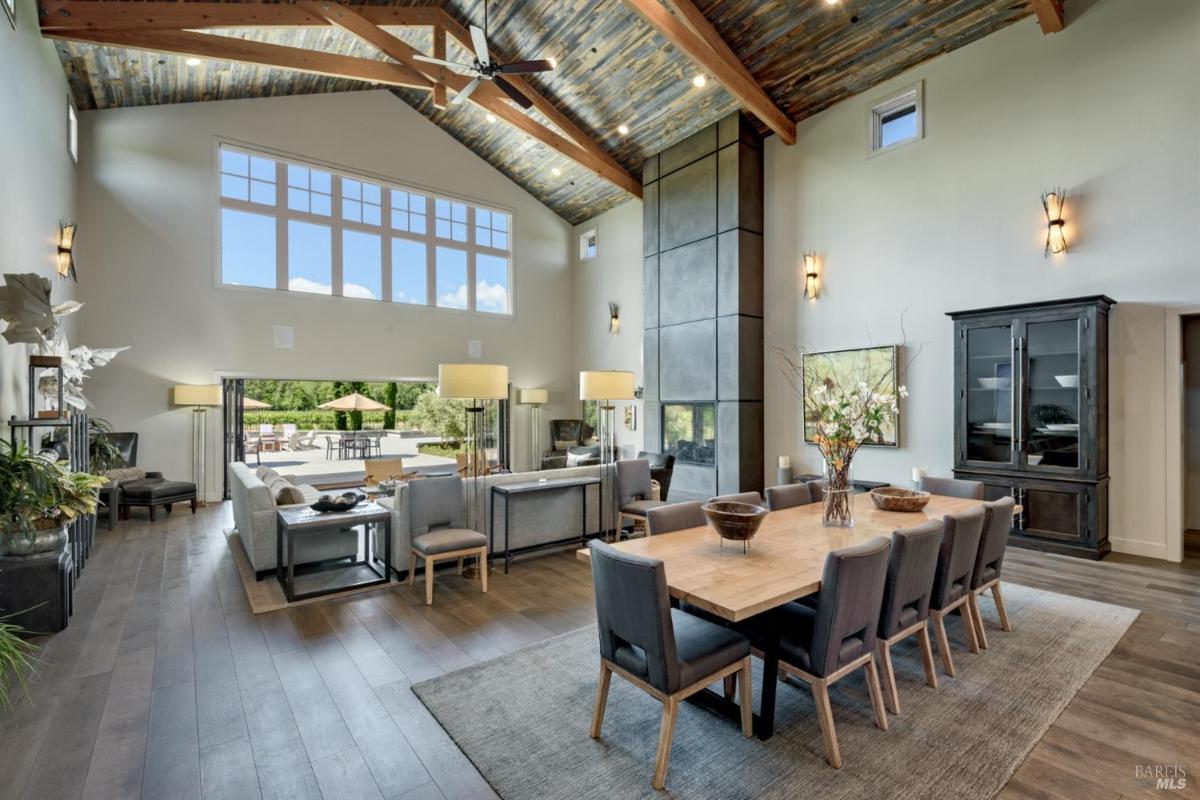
(438, 519)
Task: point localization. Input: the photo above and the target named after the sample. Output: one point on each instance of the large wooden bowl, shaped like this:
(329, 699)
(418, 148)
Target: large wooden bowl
(893, 498)
(737, 522)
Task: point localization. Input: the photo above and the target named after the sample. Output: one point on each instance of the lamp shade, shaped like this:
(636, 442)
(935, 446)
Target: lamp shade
(533, 397)
(606, 385)
(188, 395)
(473, 381)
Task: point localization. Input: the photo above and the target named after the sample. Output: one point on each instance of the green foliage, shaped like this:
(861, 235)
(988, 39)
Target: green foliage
(389, 399)
(439, 416)
(36, 493)
(321, 420)
(434, 449)
(295, 402)
(16, 661)
(103, 455)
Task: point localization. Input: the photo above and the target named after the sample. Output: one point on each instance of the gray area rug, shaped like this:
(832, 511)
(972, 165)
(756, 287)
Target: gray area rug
(523, 718)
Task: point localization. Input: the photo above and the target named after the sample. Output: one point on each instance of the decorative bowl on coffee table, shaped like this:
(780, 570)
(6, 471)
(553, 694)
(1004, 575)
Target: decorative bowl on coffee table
(737, 522)
(893, 498)
(332, 504)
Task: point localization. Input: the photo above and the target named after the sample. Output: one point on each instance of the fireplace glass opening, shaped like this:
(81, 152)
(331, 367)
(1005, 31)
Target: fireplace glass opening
(689, 432)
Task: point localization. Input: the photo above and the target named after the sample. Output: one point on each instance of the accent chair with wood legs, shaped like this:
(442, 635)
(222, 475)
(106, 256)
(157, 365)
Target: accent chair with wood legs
(437, 516)
(634, 492)
(822, 645)
(906, 596)
(667, 653)
(952, 581)
(998, 518)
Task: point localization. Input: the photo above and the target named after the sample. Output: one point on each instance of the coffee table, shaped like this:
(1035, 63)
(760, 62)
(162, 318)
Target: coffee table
(304, 522)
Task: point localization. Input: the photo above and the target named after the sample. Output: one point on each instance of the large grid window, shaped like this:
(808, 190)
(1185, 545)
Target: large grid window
(297, 227)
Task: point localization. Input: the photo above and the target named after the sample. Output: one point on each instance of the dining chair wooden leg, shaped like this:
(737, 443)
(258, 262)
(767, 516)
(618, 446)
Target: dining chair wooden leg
(876, 695)
(977, 619)
(429, 581)
(820, 691)
(1000, 610)
(460, 565)
(747, 698)
(730, 686)
(483, 569)
(412, 567)
(927, 655)
(665, 733)
(601, 698)
(939, 630)
(891, 697)
(968, 617)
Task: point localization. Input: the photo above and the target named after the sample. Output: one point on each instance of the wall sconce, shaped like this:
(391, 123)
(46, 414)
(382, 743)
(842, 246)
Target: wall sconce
(66, 246)
(810, 276)
(1056, 240)
(614, 318)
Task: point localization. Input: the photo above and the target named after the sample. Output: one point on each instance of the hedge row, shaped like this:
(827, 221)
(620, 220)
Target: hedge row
(321, 420)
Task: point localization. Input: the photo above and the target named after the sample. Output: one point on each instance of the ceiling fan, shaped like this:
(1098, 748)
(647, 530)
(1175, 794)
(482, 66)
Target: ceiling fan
(485, 69)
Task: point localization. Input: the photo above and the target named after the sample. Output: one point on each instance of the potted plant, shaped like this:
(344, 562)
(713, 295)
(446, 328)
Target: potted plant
(16, 660)
(38, 500)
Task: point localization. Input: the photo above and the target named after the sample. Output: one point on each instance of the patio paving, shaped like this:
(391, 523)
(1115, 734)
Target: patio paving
(311, 465)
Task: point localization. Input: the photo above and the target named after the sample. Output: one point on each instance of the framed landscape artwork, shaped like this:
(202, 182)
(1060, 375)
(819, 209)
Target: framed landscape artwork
(847, 368)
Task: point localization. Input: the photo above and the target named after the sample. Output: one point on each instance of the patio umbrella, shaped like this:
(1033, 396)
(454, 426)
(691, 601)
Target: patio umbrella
(353, 402)
(249, 403)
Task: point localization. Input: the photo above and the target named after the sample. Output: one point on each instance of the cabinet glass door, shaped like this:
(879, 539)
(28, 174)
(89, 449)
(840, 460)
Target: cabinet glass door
(989, 394)
(1052, 403)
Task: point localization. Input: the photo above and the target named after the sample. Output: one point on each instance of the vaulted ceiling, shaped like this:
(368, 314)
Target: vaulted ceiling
(613, 68)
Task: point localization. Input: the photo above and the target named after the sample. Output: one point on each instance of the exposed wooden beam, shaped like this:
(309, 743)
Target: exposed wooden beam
(695, 36)
(1050, 15)
(227, 48)
(162, 15)
(439, 51)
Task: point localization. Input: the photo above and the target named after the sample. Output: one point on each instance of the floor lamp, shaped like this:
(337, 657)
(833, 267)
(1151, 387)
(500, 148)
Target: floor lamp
(603, 387)
(200, 398)
(535, 399)
(475, 383)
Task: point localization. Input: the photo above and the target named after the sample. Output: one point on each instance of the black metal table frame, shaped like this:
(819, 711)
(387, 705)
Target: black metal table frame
(764, 719)
(285, 572)
(582, 485)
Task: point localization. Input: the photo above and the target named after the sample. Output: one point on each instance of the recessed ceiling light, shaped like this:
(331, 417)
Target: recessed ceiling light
(699, 81)
(490, 117)
(553, 62)
(555, 171)
(623, 130)
(832, 2)
(193, 62)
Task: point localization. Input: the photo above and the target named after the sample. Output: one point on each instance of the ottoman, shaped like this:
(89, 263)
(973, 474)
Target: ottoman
(154, 492)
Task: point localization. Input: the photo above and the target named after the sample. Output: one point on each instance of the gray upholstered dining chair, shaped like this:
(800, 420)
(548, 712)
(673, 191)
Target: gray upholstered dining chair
(749, 498)
(667, 653)
(438, 521)
(952, 487)
(906, 596)
(952, 579)
(822, 645)
(675, 517)
(789, 495)
(816, 490)
(634, 489)
(997, 521)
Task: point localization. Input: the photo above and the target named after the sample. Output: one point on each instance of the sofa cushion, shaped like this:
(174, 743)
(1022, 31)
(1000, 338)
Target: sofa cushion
(263, 471)
(156, 489)
(448, 540)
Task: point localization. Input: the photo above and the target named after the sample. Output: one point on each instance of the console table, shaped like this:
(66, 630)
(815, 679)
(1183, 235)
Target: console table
(293, 522)
(512, 490)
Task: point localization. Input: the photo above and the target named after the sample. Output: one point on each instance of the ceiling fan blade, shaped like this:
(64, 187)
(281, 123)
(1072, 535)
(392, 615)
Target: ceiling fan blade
(465, 93)
(510, 90)
(461, 69)
(521, 67)
(480, 41)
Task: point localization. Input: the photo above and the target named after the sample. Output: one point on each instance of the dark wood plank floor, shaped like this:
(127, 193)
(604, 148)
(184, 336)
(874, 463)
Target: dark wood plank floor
(166, 686)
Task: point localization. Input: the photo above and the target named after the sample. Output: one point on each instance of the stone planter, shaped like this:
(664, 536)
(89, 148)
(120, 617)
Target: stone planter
(16, 544)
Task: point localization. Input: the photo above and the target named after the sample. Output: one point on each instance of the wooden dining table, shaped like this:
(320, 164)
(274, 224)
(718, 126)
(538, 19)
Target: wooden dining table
(783, 562)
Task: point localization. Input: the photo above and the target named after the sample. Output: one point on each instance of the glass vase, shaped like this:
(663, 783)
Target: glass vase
(838, 504)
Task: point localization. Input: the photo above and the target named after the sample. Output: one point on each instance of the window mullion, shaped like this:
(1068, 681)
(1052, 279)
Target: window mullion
(281, 226)
(431, 252)
(335, 227)
(385, 246)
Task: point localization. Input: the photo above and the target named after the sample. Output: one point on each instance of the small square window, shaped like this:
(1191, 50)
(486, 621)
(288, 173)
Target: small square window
(247, 178)
(589, 245)
(898, 120)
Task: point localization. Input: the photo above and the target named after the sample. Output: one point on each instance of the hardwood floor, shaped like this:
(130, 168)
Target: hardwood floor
(166, 686)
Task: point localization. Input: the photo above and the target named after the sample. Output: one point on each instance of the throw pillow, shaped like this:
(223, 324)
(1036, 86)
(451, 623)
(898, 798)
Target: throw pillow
(262, 472)
(125, 474)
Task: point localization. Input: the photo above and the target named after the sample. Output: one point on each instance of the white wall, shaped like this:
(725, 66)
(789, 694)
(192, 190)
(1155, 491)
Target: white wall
(615, 274)
(1191, 352)
(147, 207)
(37, 177)
(1108, 109)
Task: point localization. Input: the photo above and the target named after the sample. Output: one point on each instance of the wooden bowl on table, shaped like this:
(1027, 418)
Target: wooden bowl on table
(737, 522)
(893, 498)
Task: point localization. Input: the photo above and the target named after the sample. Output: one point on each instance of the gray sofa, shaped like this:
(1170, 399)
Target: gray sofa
(254, 509)
(537, 519)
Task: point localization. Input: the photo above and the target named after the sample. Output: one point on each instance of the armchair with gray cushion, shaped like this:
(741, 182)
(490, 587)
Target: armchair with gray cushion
(635, 490)
(564, 434)
(438, 527)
